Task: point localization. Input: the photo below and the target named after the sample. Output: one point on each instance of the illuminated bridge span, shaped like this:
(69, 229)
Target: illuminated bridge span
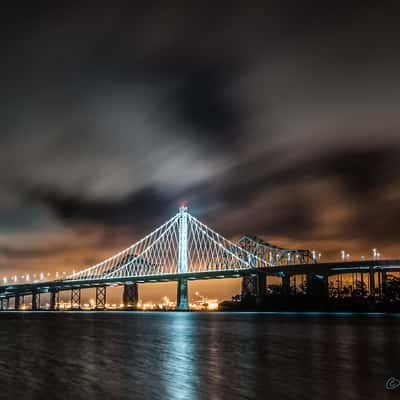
(183, 244)
(276, 255)
(184, 249)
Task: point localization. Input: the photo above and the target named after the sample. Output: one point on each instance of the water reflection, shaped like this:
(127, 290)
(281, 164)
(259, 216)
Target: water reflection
(178, 362)
(197, 356)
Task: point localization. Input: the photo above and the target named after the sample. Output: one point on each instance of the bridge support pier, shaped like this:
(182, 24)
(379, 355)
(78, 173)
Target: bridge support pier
(130, 296)
(2, 304)
(249, 288)
(382, 277)
(101, 296)
(325, 281)
(182, 303)
(76, 298)
(35, 302)
(286, 285)
(254, 287)
(53, 300)
(372, 282)
(261, 289)
(17, 301)
(5, 302)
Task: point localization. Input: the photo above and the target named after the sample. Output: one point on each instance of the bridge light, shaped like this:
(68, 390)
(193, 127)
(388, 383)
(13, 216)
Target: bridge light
(5, 280)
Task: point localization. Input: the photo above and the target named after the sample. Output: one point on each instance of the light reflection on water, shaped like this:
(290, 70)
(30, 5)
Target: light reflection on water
(197, 355)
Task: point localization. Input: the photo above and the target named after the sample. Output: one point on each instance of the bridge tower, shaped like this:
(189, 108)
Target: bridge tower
(182, 295)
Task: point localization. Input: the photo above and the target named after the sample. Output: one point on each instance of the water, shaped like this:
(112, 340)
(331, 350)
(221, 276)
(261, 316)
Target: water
(197, 356)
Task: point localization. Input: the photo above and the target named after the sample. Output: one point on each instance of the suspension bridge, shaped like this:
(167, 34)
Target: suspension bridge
(185, 249)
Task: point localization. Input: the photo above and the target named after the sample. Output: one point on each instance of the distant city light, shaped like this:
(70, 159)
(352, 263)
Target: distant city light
(375, 254)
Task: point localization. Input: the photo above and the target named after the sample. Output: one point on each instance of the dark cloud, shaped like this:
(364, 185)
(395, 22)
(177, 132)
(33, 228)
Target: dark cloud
(278, 119)
(203, 103)
(361, 176)
(144, 209)
(364, 171)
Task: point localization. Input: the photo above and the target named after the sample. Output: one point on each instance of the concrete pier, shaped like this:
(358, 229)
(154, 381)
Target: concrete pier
(130, 296)
(182, 303)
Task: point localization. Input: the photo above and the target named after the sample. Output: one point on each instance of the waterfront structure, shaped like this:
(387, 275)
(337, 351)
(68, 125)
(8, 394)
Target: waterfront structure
(185, 249)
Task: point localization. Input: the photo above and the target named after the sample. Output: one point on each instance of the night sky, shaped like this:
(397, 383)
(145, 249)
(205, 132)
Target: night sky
(278, 119)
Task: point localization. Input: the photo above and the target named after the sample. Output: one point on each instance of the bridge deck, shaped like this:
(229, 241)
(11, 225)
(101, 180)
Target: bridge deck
(331, 268)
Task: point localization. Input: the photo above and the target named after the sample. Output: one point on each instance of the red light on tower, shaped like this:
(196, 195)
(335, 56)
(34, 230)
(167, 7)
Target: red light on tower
(182, 204)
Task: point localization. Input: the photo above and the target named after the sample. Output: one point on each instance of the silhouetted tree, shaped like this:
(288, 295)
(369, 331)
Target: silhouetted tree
(391, 290)
(274, 290)
(315, 286)
(237, 297)
(360, 289)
